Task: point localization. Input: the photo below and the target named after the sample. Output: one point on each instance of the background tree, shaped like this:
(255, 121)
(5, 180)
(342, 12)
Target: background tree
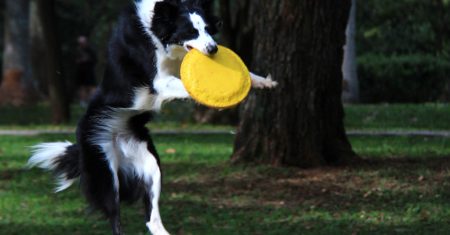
(349, 67)
(16, 82)
(46, 38)
(301, 121)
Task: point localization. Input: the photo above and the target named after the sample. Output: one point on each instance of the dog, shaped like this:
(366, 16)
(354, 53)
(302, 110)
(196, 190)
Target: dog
(114, 157)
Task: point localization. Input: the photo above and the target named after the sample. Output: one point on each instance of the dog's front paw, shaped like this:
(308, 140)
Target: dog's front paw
(262, 83)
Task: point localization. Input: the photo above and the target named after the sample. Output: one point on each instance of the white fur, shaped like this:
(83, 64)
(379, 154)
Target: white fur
(143, 99)
(261, 82)
(169, 88)
(204, 40)
(130, 155)
(63, 183)
(45, 155)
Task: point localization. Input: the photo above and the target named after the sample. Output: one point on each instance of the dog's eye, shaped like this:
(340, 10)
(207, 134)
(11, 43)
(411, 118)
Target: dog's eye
(211, 30)
(193, 31)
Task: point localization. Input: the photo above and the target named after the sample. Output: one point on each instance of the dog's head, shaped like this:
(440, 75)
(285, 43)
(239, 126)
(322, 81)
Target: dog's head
(186, 23)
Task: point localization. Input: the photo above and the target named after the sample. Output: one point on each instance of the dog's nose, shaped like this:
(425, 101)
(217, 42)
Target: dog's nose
(212, 49)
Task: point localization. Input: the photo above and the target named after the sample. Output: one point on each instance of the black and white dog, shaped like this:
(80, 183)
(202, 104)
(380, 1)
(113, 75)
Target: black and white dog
(114, 156)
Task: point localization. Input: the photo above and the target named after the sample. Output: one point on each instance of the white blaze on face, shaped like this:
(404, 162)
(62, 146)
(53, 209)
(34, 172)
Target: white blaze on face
(204, 40)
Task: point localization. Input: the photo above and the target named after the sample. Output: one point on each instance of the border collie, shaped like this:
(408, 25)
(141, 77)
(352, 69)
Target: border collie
(114, 156)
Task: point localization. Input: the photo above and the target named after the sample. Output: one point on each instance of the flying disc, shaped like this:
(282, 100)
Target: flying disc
(218, 81)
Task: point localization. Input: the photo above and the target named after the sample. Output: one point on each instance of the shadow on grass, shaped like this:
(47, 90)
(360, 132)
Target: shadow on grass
(377, 196)
(294, 186)
(30, 228)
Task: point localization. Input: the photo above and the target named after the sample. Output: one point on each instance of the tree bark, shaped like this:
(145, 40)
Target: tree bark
(350, 82)
(55, 83)
(16, 83)
(38, 48)
(300, 123)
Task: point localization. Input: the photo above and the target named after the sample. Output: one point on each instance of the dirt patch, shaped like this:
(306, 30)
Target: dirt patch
(327, 187)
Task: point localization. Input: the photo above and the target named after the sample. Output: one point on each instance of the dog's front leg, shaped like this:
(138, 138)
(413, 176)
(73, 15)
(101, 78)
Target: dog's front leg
(169, 88)
(262, 82)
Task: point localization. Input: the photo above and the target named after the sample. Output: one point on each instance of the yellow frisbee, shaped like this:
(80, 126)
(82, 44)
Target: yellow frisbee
(218, 81)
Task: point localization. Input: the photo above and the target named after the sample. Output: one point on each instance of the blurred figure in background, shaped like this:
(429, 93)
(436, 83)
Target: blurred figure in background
(86, 60)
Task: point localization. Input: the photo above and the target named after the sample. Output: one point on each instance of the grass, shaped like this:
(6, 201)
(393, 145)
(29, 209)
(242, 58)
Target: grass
(398, 117)
(402, 187)
(177, 115)
(174, 116)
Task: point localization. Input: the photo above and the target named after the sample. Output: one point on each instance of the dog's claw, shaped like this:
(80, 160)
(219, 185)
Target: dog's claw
(266, 82)
(269, 82)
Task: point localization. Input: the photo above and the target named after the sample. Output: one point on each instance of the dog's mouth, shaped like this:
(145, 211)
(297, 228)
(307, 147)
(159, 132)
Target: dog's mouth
(188, 47)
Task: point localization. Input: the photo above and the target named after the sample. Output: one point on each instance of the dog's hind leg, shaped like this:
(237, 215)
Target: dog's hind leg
(103, 196)
(153, 189)
(151, 198)
(100, 184)
(141, 159)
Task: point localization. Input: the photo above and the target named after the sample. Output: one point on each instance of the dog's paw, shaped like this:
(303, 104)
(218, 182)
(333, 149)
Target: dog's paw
(156, 228)
(263, 83)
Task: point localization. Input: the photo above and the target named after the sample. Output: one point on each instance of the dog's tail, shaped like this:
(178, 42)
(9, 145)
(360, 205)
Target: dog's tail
(61, 158)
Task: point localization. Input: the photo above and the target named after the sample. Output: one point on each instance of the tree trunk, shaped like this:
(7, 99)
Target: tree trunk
(300, 123)
(16, 82)
(237, 33)
(55, 83)
(350, 82)
(38, 51)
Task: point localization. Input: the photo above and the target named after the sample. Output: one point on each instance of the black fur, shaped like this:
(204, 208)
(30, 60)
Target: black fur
(68, 163)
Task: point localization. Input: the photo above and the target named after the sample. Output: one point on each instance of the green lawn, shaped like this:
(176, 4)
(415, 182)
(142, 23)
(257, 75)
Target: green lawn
(178, 116)
(402, 187)
(398, 117)
(174, 116)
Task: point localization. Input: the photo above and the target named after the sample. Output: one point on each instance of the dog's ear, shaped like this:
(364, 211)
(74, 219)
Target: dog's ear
(168, 9)
(166, 13)
(214, 21)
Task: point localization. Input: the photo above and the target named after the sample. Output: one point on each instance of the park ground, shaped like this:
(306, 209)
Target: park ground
(402, 186)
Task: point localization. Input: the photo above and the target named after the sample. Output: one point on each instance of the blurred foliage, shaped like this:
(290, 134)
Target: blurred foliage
(404, 50)
(403, 78)
(404, 27)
